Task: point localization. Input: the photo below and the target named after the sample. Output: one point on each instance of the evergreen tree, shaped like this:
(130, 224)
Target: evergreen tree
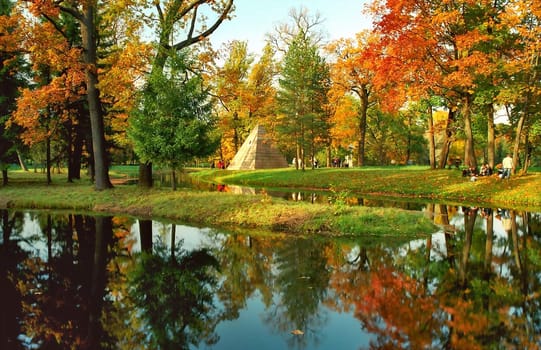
(173, 123)
(302, 98)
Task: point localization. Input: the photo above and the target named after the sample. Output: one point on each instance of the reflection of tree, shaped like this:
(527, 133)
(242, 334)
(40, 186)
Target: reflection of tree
(174, 293)
(245, 263)
(302, 286)
(470, 214)
(396, 307)
(480, 300)
(63, 290)
(11, 255)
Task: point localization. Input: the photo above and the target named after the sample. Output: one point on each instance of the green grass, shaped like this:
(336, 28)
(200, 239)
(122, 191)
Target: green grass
(411, 182)
(215, 209)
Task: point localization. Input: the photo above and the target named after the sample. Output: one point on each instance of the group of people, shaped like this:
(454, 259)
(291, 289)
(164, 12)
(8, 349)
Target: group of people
(221, 164)
(472, 172)
(504, 172)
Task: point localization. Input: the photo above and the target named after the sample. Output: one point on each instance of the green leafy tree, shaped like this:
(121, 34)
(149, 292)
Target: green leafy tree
(173, 123)
(179, 24)
(174, 294)
(301, 97)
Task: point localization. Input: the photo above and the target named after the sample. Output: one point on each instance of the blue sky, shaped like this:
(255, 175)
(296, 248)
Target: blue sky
(255, 18)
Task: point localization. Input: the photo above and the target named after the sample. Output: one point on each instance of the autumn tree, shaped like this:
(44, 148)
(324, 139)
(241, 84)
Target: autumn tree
(438, 48)
(245, 91)
(231, 90)
(84, 12)
(351, 73)
(47, 110)
(11, 72)
(124, 62)
(521, 92)
(260, 86)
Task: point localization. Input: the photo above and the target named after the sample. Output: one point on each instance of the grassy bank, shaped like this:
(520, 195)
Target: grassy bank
(215, 209)
(415, 183)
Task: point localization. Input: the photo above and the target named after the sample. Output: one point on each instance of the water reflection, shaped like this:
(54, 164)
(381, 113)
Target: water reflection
(74, 281)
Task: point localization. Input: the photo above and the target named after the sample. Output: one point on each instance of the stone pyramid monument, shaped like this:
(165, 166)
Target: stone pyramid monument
(257, 152)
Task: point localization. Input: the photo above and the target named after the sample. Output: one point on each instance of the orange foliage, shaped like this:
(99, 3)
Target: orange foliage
(125, 70)
(404, 306)
(61, 82)
(344, 123)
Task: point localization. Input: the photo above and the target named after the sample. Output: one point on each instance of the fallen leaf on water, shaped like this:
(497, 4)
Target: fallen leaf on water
(297, 332)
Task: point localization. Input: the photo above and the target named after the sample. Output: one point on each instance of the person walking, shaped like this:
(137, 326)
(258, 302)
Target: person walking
(507, 165)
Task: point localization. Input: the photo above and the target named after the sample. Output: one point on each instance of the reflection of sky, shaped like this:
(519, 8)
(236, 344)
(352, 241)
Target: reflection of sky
(32, 238)
(439, 249)
(339, 332)
(192, 237)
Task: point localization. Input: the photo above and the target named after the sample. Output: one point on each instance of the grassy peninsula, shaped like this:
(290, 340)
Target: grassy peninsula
(27, 190)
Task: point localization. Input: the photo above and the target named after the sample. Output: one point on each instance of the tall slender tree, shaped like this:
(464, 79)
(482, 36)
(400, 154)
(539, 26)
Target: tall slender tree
(301, 97)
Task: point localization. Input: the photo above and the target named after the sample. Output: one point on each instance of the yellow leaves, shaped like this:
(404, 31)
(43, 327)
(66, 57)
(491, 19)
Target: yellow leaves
(297, 332)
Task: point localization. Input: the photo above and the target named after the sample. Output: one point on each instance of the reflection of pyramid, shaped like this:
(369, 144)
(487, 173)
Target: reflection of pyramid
(257, 152)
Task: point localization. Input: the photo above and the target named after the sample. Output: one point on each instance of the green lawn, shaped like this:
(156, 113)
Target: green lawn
(28, 190)
(412, 182)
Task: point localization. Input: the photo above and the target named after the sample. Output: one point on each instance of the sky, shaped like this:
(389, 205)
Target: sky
(255, 18)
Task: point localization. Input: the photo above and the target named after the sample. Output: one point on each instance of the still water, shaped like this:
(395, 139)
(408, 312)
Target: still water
(73, 281)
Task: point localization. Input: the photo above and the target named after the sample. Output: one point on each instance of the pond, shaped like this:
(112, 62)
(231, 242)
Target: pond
(72, 281)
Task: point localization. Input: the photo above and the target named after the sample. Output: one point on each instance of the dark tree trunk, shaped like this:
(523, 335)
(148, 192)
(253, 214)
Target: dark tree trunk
(104, 234)
(431, 140)
(469, 148)
(363, 95)
(88, 34)
(449, 138)
(145, 175)
(145, 234)
(491, 137)
(48, 159)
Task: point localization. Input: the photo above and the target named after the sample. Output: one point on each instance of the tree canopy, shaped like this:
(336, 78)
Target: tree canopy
(424, 85)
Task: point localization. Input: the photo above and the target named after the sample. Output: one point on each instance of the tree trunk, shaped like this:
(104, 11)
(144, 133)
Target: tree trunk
(363, 95)
(469, 147)
(173, 237)
(104, 234)
(516, 241)
(173, 179)
(489, 243)
(145, 175)
(77, 153)
(145, 235)
(491, 137)
(48, 159)
(431, 141)
(527, 155)
(449, 138)
(88, 35)
(21, 161)
(516, 147)
(469, 224)
(70, 149)
(5, 178)
(328, 160)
